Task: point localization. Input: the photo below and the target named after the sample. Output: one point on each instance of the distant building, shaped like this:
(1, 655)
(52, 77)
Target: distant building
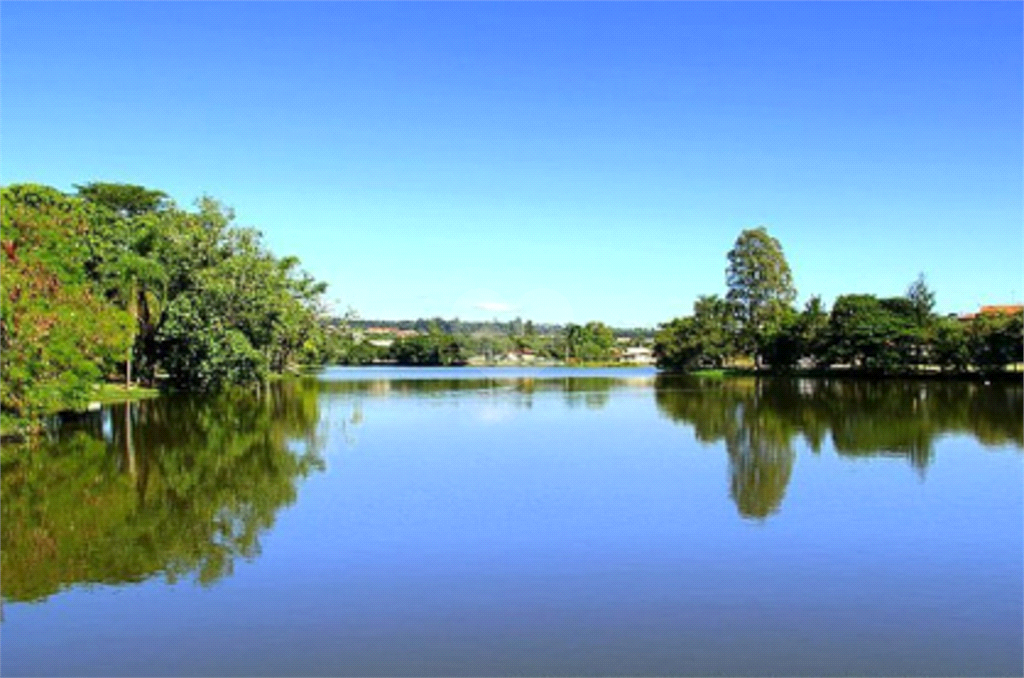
(639, 355)
(390, 331)
(1004, 309)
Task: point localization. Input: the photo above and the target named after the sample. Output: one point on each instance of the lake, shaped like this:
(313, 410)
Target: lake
(388, 521)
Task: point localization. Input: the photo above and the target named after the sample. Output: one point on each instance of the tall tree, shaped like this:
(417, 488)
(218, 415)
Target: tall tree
(760, 284)
(126, 225)
(923, 300)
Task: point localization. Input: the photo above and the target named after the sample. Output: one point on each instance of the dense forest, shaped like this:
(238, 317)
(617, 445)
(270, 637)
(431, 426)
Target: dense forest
(757, 323)
(116, 281)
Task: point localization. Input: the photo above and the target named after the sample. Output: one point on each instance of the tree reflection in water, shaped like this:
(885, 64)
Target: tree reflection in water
(590, 392)
(758, 420)
(176, 486)
(185, 486)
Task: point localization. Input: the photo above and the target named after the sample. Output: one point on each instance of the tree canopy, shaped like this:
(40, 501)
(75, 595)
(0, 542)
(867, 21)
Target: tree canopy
(118, 276)
(760, 283)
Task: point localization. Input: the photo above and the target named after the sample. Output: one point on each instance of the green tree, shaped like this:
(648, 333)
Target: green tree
(813, 329)
(782, 345)
(922, 299)
(234, 310)
(705, 339)
(872, 334)
(996, 340)
(591, 342)
(950, 349)
(126, 200)
(760, 285)
(57, 335)
(433, 348)
(126, 226)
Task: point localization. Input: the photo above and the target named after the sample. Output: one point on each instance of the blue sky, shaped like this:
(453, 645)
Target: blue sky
(556, 161)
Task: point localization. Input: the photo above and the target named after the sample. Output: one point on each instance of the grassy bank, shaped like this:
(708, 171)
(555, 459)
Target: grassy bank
(109, 394)
(712, 374)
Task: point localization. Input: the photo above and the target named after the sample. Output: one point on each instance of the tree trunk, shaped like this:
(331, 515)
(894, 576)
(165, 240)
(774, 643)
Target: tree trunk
(129, 443)
(133, 309)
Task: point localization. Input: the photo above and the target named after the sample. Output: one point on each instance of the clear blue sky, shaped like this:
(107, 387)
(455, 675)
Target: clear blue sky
(556, 161)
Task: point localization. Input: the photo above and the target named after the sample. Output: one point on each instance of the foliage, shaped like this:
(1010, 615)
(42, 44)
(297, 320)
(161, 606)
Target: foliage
(57, 335)
(590, 342)
(949, 345)
(434, 348)
(994, 341)
(922, 300)
(706, 339)
(782, 344)
(339, 346)
(872, 334)
(118, 277)
(470, 328)
(126, 200)
(199, 351)
(863, 332)
(760, 285)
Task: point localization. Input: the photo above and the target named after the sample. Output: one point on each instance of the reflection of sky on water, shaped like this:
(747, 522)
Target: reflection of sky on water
(525, 526)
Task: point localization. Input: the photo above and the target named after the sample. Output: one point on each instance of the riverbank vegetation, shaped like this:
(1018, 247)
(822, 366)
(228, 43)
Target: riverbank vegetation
(756, 322)
(117, 282)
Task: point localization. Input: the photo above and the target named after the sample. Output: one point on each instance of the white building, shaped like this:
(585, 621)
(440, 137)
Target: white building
(639, 355)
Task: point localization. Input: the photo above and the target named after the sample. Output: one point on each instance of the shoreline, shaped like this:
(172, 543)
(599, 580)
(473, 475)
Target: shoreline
(866, 375)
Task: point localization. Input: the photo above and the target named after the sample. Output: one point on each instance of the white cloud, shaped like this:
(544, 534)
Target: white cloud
(493, 306)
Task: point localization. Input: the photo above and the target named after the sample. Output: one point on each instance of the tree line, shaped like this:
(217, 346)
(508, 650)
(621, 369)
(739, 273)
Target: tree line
(117, 281)
(514, 327)
(445, 344)
(756, 322)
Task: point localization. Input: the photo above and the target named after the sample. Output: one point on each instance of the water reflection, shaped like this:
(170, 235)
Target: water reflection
(590, 392)
(759, 419)
(178, 486)
(185, 486)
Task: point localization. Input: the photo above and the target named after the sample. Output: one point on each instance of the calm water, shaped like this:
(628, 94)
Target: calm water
(516, 522)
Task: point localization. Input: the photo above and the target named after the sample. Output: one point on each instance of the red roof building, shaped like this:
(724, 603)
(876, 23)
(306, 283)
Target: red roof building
(1004, 309)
